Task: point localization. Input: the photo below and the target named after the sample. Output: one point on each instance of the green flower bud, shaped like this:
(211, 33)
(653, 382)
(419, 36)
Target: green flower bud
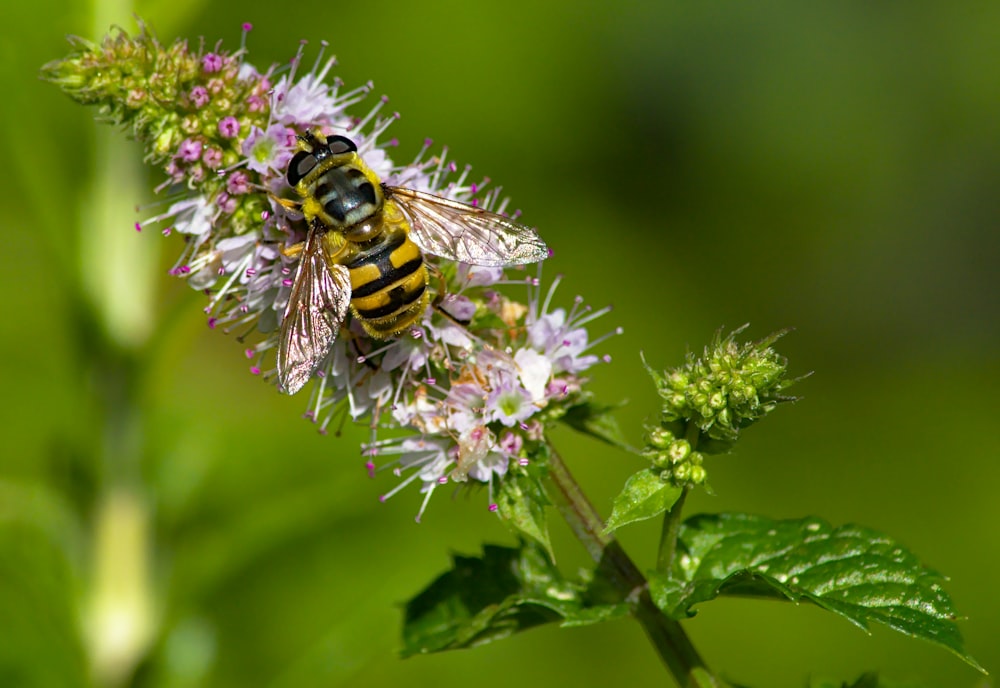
(660, 438)
(698, 475)
(661, 460)
(682, 473)
(724, 418)
(679, 451)
(191, 124)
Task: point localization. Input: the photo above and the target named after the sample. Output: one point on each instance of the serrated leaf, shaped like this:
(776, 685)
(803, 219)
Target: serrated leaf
(856, 572)
(597, 421)
(486, 598)
(644, 496)
(586, 616)
(521, 502)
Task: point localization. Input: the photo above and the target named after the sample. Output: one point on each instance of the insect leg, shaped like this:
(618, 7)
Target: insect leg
(441, 297)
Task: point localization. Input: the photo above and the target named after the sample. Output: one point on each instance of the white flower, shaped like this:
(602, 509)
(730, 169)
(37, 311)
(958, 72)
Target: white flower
(192, 216)
(493, 464)
(309, 99)
(534, 370)
(478, 275)
(268, 151)
(509, 405)
(474, 445)
(409, 353)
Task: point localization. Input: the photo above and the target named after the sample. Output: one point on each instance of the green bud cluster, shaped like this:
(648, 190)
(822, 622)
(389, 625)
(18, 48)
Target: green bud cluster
(731, 386)
(708, 400)
(674, 458)
(192, 109)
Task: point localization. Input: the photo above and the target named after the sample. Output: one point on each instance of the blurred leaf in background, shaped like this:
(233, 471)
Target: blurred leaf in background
(829, 167)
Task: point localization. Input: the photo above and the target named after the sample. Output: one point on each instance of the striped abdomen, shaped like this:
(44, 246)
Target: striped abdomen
(388, 283)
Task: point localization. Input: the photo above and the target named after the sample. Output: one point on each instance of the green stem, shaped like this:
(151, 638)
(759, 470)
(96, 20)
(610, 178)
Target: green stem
(668, 536)
(667, 636)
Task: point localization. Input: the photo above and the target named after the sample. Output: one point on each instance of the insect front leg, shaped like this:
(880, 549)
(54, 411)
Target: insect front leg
(292, 251)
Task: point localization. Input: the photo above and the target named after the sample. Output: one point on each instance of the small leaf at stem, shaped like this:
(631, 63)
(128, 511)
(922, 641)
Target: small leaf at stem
(507, 590)
(596, 420)
(645, 495)
(856, 572)
(521, 503)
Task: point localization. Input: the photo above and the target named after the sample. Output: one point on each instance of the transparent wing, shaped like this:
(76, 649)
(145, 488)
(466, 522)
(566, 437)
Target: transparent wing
(316, 308)
(462, 232)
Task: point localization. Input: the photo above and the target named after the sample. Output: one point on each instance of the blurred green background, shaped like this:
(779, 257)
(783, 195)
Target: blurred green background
(827, 166)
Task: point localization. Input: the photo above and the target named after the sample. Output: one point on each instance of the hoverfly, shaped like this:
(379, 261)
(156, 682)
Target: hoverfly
(364, 251)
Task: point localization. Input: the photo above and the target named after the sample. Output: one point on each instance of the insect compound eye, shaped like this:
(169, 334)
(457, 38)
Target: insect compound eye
(339, 145)
(300, 165)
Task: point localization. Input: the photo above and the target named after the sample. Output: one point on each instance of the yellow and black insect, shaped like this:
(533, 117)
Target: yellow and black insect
(364, 250)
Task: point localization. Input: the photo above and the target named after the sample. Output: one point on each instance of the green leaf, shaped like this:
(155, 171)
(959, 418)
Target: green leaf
(645, 495)
(521, 502)
(856, 572)
(505, 591)
(585, 616)
(596, 420)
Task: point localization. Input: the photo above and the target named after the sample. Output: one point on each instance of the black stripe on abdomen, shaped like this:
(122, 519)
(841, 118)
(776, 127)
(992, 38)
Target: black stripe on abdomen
(389, 275)
(398, 299)
(379, 255)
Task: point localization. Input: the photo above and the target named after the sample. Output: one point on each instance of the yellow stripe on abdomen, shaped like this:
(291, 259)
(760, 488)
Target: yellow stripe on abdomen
(389, 286)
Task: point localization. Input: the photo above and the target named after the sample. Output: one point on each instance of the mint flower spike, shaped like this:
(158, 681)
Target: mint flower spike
(708, 400)
(480, 396)
(473, 384)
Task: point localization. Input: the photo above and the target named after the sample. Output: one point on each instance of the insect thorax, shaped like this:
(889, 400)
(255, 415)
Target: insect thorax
(342, 197)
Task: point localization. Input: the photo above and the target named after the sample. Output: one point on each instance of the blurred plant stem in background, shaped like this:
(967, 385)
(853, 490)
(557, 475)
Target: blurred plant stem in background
(119, 621)
(117, 280)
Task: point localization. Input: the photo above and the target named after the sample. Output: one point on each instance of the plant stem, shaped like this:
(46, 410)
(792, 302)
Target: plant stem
(667, 636)
(668, 536)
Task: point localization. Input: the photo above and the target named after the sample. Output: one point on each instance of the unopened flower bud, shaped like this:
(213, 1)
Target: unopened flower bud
(679, 451)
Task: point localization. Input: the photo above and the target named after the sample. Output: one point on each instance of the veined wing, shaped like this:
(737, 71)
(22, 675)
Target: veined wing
(316, 308)
(467, 234)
